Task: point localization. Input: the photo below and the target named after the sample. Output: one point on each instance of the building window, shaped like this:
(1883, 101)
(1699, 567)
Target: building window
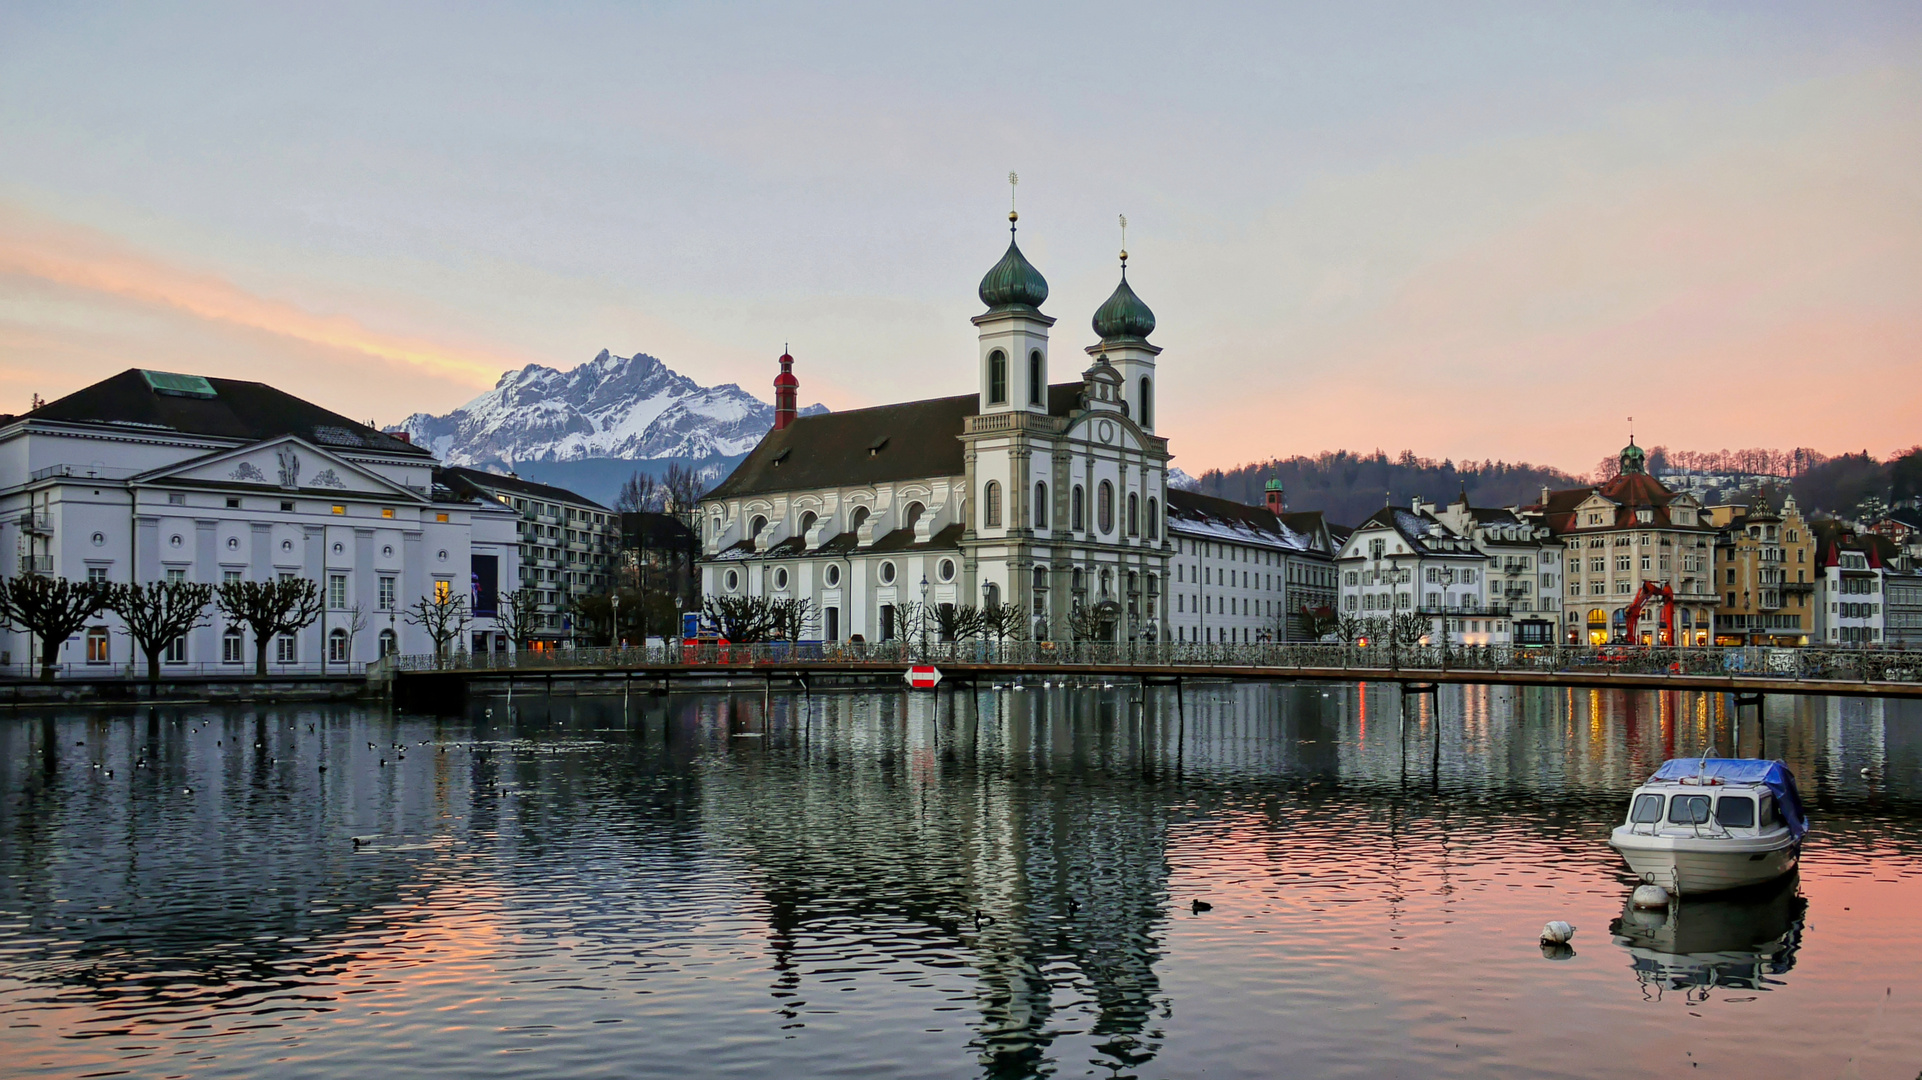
(337, 645)
(1037, 378)
(1040, 505)
(997, 378)
(386, 598)
(832, 575)
(780, 578)
(336, 590)
(1147, 403)
(991, 504)
(1134, 514)
(286, 649)
(387, 643)
(1104, 507)
(887, 573)
(176, 651)
(99, 645)
(945, 571)
(442, 589)
(97, 573)
(1154, 519)
(231, 646)
(1077, 509)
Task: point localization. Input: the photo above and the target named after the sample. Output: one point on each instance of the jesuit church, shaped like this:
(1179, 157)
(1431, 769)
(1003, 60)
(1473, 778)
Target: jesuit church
(1047, 495)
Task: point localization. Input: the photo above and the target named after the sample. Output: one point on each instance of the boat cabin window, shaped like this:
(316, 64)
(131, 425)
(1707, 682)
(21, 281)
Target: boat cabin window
(1688, 810)
(1648, 808)
(1768, 812)
(1735, 812)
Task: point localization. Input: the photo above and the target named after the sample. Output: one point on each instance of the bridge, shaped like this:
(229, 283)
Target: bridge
(443, 682)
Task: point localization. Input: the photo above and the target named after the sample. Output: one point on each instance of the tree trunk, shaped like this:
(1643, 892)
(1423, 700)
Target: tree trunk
(153, 669)
(260, 655)
(47, 658)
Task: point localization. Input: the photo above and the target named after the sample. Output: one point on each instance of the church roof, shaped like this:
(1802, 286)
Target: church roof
(860, 447)
(1013, 282)
(1193, 514)
(216, 408)
(1123, 317)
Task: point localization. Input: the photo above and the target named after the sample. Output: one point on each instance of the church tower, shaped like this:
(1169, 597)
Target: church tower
(1014, 334)
(1124, 323)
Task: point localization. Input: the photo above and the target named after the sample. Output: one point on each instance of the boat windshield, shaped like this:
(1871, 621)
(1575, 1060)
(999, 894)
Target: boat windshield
(1688, 810)
(1648, 808)
(1735, 811)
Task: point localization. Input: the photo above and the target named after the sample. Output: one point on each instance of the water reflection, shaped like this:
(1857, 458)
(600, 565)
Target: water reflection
(1744, 940)
(990, 884)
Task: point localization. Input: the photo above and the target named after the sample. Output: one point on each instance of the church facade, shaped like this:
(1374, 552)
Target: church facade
(1051, 496)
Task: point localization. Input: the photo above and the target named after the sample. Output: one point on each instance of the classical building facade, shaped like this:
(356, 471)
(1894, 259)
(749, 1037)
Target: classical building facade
(1046, 495)
(149, 476)
(1243, 573)
(1849, 602)
(1619, 535)
(1477, 576)
(1765, 575)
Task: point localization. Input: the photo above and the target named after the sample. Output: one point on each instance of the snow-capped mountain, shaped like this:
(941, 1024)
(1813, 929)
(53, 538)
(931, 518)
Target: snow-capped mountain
(628, 408)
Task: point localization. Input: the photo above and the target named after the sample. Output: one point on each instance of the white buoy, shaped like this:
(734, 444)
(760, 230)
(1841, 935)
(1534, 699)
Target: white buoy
(1557, 933)
(1649, 896)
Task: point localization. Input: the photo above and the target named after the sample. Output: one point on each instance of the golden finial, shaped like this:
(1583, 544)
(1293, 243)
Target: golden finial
(1124, 241)
(1012, 215)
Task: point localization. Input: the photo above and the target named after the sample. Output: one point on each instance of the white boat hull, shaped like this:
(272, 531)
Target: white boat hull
(1689, 866)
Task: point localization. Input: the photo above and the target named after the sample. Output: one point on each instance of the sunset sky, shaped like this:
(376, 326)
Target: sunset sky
(1469, 230)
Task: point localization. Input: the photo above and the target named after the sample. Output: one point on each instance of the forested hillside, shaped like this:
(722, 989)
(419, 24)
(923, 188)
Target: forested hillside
(1348, 486)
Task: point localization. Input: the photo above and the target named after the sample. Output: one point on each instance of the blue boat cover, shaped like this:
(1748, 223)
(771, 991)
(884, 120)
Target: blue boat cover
(1774, 774)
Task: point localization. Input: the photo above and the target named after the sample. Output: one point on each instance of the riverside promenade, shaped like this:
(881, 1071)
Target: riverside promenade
(435, 683)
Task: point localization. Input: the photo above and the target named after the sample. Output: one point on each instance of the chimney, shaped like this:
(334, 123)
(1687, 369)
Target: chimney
(786, 389)
(402, 436)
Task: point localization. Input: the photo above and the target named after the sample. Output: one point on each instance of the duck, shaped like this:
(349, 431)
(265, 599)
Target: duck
(1200, 906)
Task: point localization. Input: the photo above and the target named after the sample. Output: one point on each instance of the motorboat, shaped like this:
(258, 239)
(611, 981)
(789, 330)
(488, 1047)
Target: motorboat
(1706, 824)
(1739, 939)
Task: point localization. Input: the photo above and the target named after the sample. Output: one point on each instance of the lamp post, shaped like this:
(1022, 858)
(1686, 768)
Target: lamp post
(924, 615)
(614, 619)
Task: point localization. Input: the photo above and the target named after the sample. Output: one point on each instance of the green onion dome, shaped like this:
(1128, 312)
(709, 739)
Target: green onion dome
(1633, 459)
(1014, 282)
(1123, 315)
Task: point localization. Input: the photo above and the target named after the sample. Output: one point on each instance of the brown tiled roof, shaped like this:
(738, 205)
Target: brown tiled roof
(868, 446)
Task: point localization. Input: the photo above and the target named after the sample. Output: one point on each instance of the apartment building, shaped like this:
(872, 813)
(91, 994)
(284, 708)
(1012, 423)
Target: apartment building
(1765, 574)
(569, 546)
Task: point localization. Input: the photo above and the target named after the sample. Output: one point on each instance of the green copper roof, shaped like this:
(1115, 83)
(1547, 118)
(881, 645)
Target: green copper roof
(1123, 315)
(1633, 459)
(1274, 484)
(1014, 282)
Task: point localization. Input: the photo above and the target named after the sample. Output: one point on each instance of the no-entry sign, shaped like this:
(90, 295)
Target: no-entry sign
(923, 676)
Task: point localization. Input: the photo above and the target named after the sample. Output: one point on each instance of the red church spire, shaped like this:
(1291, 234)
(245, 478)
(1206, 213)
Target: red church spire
(787, 389)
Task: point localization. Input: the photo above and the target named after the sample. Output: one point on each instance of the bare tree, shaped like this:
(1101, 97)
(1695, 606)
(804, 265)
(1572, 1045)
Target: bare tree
(791, 618)
(1319, 622)
(1351, 629)
(1005, 622)
(1409, 627)
(957, 622)
(443, 615)
(639, 493)
(269, 609)
(518, 616)
(356, 622)
(51, 609)
(681, 488)
(159, 612)
(741, 620)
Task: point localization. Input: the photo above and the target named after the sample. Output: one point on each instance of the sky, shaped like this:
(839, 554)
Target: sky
(1472, 230)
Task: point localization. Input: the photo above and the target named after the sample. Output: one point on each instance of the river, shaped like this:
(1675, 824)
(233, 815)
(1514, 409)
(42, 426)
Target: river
(997, 883)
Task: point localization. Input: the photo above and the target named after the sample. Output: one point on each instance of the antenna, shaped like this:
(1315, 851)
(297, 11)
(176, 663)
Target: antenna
(1012, 215)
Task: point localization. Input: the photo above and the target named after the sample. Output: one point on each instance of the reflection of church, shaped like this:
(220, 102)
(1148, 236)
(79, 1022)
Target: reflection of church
(1046, 495)
(894, 832)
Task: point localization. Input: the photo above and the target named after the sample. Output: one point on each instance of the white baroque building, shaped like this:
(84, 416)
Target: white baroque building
(150, 475)
(1047, 495)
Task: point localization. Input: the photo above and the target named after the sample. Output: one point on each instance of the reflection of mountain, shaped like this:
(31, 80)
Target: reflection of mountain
(904, 822)
(1739, 940)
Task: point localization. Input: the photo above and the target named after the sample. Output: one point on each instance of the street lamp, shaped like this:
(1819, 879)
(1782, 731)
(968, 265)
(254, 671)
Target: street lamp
(924, 614)
(614, 619)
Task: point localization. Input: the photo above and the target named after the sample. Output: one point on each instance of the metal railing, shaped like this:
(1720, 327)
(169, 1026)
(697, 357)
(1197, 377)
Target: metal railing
(137, 672)
(1848, 665)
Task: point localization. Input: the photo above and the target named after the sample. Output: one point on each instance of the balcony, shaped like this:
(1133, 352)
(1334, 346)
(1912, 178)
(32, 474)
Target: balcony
(1792, 587)
(36, 564)
(34, 523)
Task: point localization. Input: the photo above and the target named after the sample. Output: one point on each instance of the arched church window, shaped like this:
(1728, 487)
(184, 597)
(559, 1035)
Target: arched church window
(991, 504)
(990, 596)
(1134, 514)
(807, 522)
(1077, 509)
(912, 516)
(1040, 505)
(1154, 518)
(857, 518)
(1104, 507)
(755, 526)
(1147, 402)
(1037, 379)
(997, 378)
(1040, 579)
